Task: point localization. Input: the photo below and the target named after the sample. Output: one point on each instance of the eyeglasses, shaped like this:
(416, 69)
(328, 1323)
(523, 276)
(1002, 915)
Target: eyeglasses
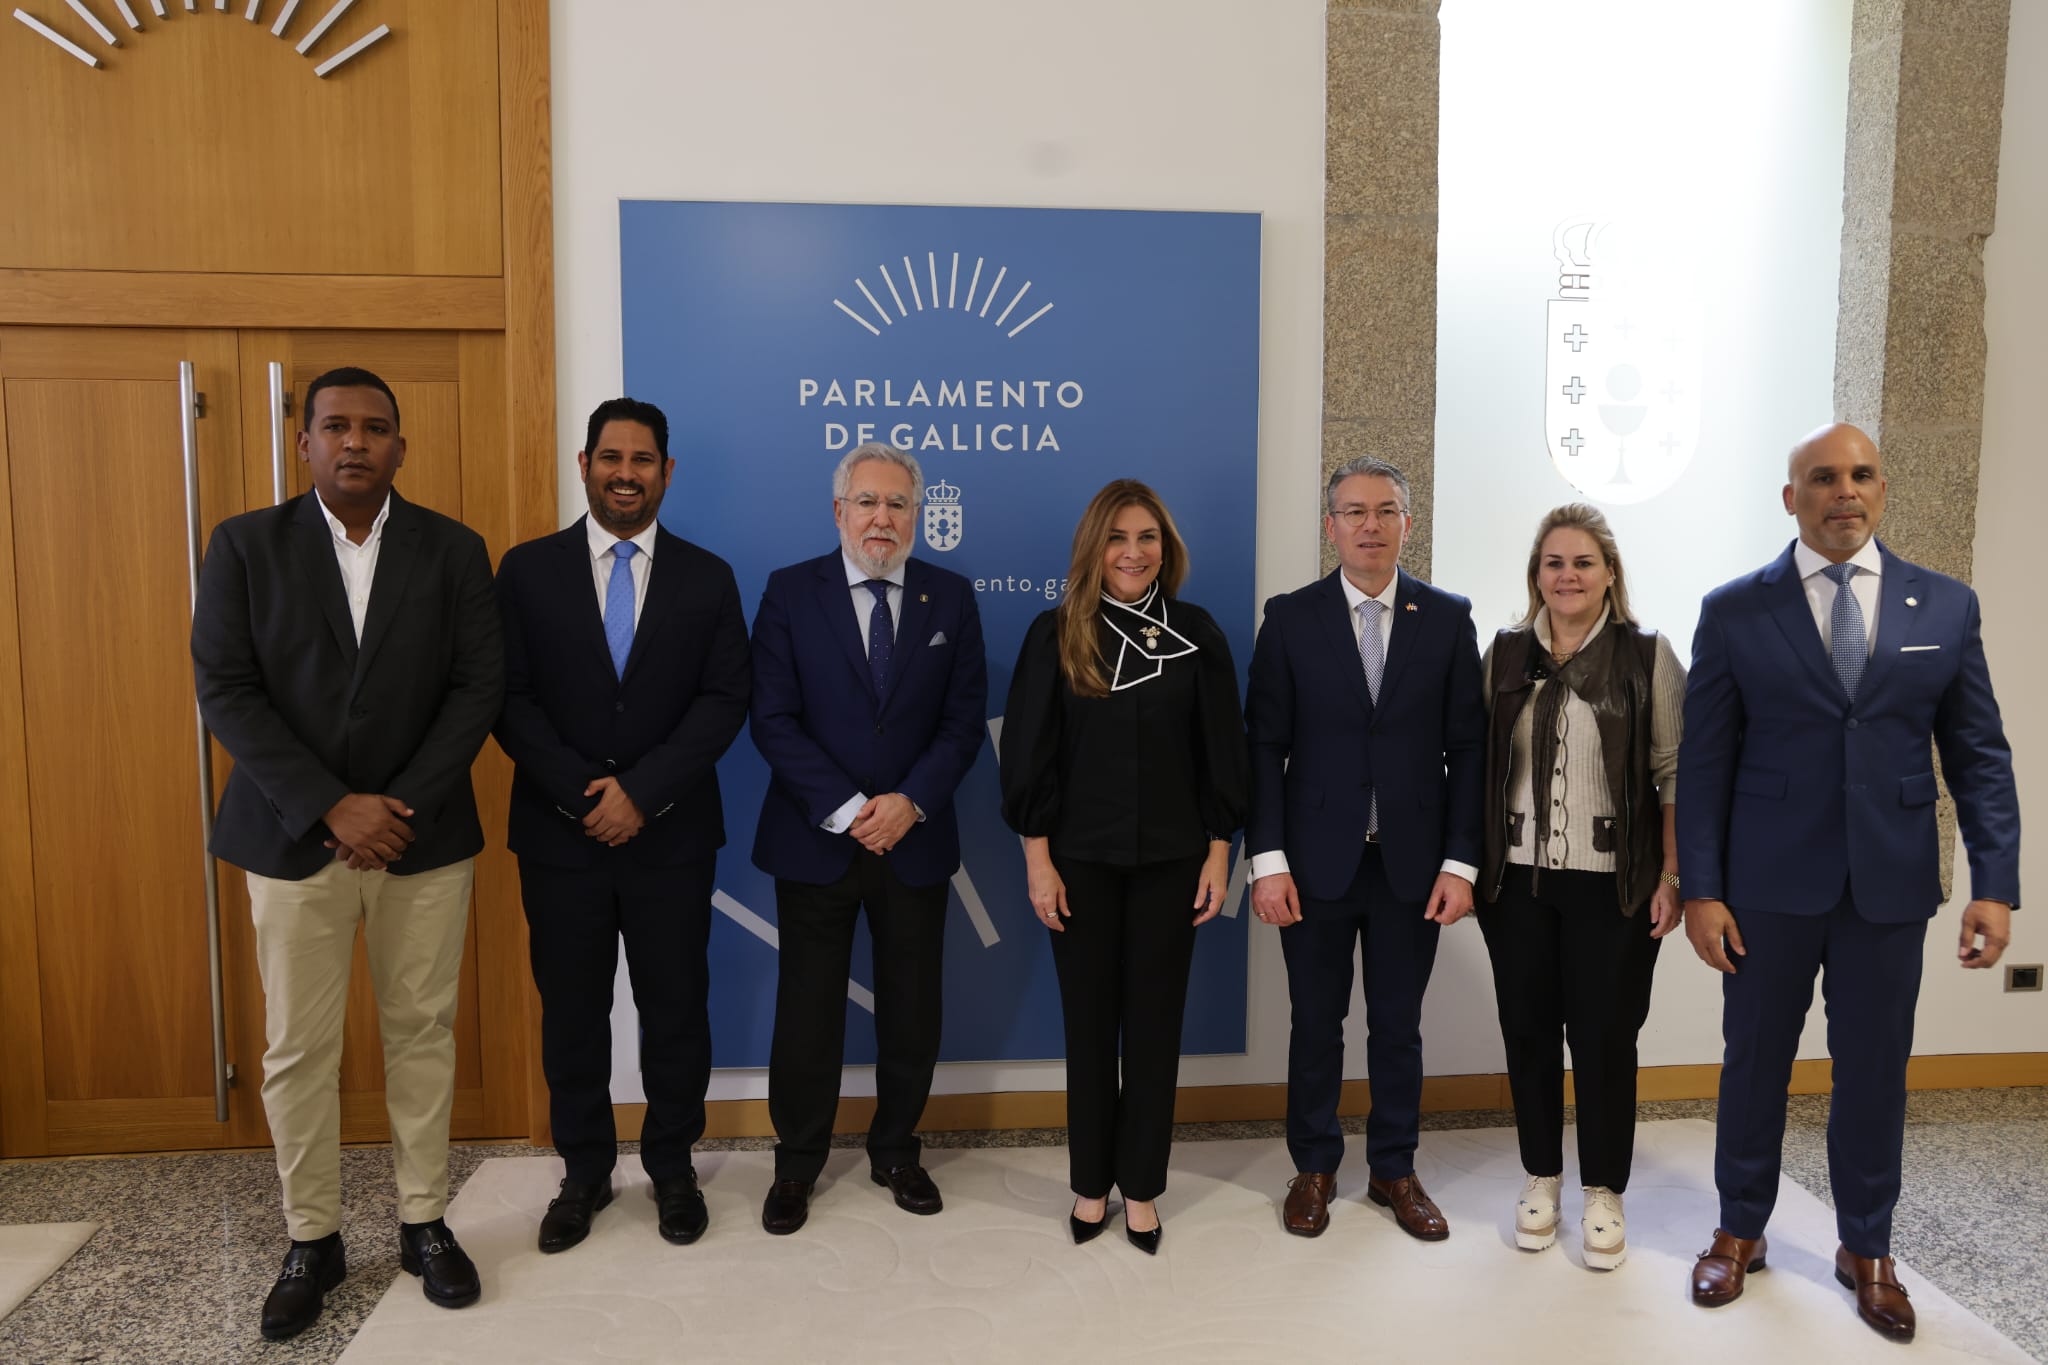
(1354, 517)
(868, 504)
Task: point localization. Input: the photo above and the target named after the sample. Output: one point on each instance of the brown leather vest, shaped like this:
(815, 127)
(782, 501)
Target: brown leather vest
(1614, 680)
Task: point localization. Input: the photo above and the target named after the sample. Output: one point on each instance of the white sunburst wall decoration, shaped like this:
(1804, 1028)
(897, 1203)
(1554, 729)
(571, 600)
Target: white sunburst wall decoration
(252, 12)
(917, 294)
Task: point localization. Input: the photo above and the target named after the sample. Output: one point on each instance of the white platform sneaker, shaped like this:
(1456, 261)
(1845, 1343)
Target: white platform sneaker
(1605, 1228)
(1536, 1212)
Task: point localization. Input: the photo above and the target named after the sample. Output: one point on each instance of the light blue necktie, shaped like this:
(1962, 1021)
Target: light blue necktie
(1848, 644)
(618, 605)
(1373, 654)
(881, 633)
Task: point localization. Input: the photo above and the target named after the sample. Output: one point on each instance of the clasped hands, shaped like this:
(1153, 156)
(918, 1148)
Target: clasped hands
(882, 822)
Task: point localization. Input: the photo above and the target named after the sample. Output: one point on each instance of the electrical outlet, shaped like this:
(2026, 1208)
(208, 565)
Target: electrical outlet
(2024, 978)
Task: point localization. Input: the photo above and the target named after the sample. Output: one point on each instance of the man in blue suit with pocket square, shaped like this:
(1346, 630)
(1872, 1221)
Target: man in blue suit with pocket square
(870, 697)
(1807, 845)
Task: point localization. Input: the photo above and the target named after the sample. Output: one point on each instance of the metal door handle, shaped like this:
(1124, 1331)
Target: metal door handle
(280, 479)
(189, 405)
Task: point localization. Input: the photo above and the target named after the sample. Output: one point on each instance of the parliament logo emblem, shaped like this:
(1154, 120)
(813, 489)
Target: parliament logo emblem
(942, 514)
(1621, 403)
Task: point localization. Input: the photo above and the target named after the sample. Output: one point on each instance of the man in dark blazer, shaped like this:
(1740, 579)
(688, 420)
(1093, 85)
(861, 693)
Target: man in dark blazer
(626, 678)
(870, 695)
(1367, 727)
(1806, 841)
(346, 650)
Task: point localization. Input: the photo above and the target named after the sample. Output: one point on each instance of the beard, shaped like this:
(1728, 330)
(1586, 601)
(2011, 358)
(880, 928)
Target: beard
(622, 522)
(876, 568)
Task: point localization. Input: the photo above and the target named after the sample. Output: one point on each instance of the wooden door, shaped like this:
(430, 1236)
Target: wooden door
(103, 961)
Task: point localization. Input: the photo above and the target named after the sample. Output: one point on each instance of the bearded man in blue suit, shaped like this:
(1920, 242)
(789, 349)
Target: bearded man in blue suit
(870, 698)
(1807, 846)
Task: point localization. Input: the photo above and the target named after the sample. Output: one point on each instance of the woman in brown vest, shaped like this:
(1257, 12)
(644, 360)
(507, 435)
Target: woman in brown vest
(1580, 880)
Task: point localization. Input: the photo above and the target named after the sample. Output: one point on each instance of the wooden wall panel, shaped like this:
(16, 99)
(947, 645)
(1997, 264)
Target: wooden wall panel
(206, 144)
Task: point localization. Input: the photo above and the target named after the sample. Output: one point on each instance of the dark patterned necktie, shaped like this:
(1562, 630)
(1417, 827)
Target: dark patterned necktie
(881, 633)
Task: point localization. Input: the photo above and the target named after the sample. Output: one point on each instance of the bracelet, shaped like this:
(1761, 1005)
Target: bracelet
(1669, 879)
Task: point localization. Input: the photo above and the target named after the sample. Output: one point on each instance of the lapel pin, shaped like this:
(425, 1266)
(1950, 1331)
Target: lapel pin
(1411, 606)
(1912, 601)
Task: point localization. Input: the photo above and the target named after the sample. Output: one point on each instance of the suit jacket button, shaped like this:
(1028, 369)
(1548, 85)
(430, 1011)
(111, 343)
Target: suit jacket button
(878, 727)
(611, 765)
(618, 706)
(1852, 722)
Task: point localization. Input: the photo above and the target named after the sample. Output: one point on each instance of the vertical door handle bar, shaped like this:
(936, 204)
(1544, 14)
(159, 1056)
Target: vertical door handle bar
(188, 402)
(280, 478)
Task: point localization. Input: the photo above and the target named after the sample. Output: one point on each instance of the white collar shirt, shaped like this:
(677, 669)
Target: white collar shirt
(1355, 595)
(1820, 589)
(641, 565)
(358, 563)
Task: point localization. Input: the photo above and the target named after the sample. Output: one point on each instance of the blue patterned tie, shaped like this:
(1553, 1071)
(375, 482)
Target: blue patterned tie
(1848, 644)
(881, 633)
(618, 605)
(1373, 654)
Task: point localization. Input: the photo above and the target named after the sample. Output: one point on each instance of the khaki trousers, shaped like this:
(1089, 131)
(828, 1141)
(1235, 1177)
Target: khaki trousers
(413, 928)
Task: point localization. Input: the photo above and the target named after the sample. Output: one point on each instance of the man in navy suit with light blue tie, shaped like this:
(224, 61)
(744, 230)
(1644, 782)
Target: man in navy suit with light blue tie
(1367, 726)
(1807, 845)
(870, 697)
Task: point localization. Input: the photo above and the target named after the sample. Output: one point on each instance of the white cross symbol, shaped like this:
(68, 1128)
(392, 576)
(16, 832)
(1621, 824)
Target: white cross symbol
(1670, 443)
(1671, 392)
(1576, 336)
(1572, 442)
(1574, 390)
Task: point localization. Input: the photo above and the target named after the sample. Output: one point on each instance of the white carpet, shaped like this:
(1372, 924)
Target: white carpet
(995, 1278)
(30, 1252)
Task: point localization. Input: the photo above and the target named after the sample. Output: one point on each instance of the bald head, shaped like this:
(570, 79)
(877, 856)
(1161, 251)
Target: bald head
(1835, 486)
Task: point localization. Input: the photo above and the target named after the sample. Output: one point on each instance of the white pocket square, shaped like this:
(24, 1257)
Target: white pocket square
(938, 639)
(1915, 649)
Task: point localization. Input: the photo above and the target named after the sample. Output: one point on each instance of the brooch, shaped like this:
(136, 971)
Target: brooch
(1151, 634)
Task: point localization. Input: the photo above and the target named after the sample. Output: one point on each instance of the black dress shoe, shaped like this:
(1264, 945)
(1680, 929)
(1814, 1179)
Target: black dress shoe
(447, 1275)
(1084, 1231)
(787, 1207)
(914, 1190)
(683, 1215)
(310, 1270)
(567, 1220)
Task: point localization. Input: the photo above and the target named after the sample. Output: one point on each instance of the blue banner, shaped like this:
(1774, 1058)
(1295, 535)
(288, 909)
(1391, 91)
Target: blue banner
(1026, 357)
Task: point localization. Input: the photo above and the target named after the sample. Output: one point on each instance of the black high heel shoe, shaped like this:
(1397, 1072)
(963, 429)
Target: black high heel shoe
(1147, 1242)
(1085, 1232)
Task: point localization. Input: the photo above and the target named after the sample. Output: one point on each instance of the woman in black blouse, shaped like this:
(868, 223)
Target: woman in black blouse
(1123, 763)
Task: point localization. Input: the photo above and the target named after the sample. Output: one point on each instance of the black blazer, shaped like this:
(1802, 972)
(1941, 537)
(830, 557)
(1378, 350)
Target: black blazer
(1319, 744)
(309, 716)
(660, 730)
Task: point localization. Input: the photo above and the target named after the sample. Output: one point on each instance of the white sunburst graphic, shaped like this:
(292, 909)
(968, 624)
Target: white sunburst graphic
(252, 11)
(930, 289)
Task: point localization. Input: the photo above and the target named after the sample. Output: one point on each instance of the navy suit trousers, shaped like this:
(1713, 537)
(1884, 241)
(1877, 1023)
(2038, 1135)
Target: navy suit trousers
(1398, 949)
(1870, 981)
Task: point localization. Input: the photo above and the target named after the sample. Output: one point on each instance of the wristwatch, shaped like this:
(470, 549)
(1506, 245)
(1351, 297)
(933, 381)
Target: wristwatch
(1669, 879)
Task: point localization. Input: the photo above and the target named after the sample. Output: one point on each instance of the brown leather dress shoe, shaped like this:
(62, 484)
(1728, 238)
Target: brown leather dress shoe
(1880, 1298)
(1307, 1211)
(914, 1189)
(1414, 1210)
(1718, 1272)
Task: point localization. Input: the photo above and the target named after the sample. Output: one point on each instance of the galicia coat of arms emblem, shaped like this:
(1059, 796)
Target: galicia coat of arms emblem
(1621, 403)
(942, 512)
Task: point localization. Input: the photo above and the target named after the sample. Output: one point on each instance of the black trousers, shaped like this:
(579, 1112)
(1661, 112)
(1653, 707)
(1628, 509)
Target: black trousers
(1569, 967)
(1397, 948)
(575, 918)
(1870, 981)
(1123, 960)
(907, 926)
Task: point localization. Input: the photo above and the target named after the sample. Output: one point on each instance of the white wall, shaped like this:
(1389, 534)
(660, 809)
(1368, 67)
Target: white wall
(1188, 104)
(1146, 104)
(1968, 1011)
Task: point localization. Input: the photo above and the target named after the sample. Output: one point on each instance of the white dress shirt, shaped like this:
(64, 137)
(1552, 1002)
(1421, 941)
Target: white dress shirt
(358, 563)
(1820, 589)
(1275, 860)
(641, 565)
(864, 614)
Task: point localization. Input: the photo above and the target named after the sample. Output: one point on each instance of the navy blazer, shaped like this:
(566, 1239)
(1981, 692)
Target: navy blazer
(310, 716)
(1319, 744)
(826, 735)
(1789, 793)
(660, 730)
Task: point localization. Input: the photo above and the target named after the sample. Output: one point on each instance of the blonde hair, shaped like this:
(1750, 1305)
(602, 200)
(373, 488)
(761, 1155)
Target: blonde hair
(1579, 516)
(1080, 650)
